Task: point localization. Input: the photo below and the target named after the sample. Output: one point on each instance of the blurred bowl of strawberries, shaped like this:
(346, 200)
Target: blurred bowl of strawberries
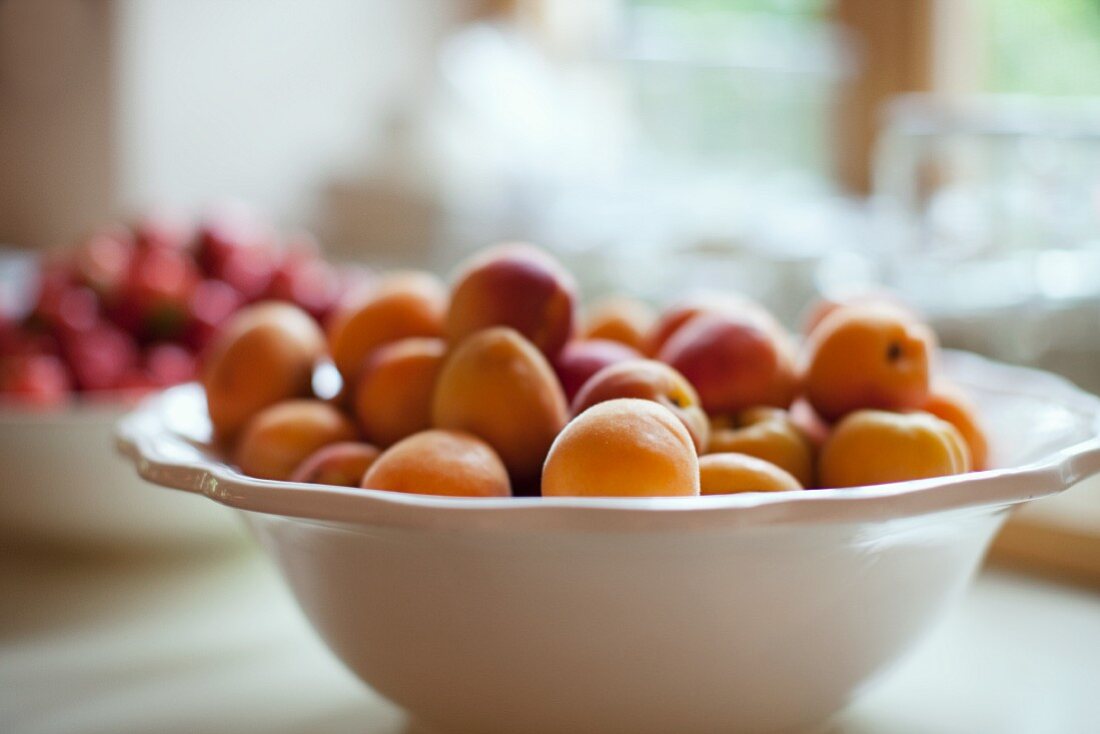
(87, 330)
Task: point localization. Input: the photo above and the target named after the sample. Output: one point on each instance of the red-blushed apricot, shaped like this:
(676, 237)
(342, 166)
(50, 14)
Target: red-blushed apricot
(515, 285)
(620, 319)
(581, 359)
(264, 354)
(448, 463)
(622, 448)
(808, 422)
(878, 447)
(393, 393)
(280, 437)
(768, 434)
(867, 356)
(948, 402)
(731, 473)
(499, 387)
(647, 379)
(677, 315)
(735, 361)
(401, 305)
(339, 464)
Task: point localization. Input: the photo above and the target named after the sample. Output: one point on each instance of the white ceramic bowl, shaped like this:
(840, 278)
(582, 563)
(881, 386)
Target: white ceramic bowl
(62, 486)
(753, 612)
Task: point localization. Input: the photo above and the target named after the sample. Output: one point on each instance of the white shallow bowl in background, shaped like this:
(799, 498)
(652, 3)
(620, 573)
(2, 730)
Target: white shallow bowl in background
(753, 612)
(62, 486)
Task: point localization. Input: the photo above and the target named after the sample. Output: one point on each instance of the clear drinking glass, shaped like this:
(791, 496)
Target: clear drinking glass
(991, 202)
(988, 220)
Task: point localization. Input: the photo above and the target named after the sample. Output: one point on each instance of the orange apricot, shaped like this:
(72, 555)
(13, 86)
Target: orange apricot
(402, 305)
(768, 434)
(280, 437)
(340, 464)
(877, 447)
(948, 402)
(263, 355)
(731, 473)
(647, 379)
(447, 463)
(817, 312)
(620, 319)
(622, 448)
(393, 393)
(499, 387)
(867, 356)
(515, 285)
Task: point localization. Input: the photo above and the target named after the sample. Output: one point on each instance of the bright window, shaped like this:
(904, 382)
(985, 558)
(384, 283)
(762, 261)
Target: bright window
(1042, 46)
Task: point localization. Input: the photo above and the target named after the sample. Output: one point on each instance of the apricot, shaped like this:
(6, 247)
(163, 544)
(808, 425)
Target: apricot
(339, 464)
(948, 402)
(877, 447)
(647, 379)
(676, 316)
(280, 437)
(264, 354)
(499, 387)
(817, 312)
(515, 285)
(730, 473)
(768, 434)
(581, 359)
(867, 356)
(622, 448)
(734, 360)
(620, 319)
(448, 463)
(402, 305)
(808, 422)
(393, 393)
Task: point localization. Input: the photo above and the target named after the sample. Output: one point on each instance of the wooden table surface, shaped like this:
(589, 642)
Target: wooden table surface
(217, 645)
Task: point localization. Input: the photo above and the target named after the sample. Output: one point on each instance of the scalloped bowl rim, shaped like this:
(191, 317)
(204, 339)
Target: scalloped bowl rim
(154, 448)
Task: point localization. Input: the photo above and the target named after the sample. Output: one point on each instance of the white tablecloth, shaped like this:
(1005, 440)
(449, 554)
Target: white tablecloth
(217, 645)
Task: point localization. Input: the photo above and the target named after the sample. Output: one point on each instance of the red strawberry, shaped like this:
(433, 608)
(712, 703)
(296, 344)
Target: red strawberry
(155, 298)
(77, 310)
(136, 379)
(213, 244)
(249, 270)
(102, 261)
(169, 364)
(163, 229)
(101, 356)
(55, 279)
(36, 379)
(210, 305)
(308, 282)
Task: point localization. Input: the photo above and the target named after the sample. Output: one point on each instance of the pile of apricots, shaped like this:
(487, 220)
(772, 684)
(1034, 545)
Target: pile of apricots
(496, 386)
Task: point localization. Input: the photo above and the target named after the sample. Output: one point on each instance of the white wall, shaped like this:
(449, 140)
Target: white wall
(259, 99)
(188, 101)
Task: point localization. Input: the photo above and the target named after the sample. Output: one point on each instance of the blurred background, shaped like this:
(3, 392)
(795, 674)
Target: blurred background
(783, 147)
